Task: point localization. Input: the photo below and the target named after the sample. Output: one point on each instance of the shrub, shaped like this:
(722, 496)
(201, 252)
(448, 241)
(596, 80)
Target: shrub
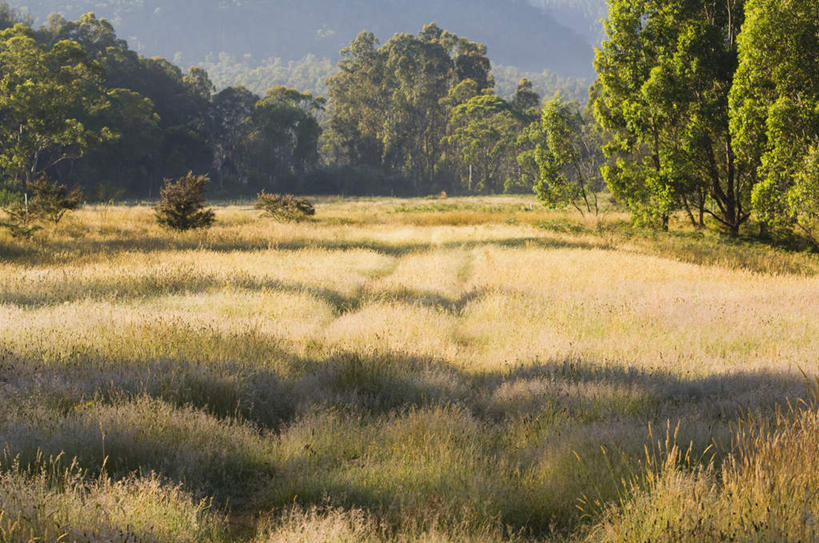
(182, 203)
(51, 201)
(284, 207)
(20, 220)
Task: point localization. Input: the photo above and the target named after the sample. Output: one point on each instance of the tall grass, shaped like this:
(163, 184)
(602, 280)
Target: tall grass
(764, 490)
(456, 370)
(49, 503)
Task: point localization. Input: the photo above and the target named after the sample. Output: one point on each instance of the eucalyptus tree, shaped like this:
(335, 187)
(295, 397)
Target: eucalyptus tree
(45, 92)
(775, 110)
(665, 72)
(389, 105)
(483, 143)
(569, 158)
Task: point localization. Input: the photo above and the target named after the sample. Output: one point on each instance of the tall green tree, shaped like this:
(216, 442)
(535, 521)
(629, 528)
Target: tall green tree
(181, 110)
(390, 105)
(282, 145)
(483, 143)
(232, 122)
(526, 102)
(775, 110)
(419, 73)
(45, 91)
(358, 99)
(664, 75)
(569, 158)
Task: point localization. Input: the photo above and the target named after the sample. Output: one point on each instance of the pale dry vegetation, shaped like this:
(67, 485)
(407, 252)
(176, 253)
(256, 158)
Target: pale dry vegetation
(454, 370)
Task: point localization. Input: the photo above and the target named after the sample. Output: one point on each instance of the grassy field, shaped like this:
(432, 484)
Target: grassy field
(403, 370)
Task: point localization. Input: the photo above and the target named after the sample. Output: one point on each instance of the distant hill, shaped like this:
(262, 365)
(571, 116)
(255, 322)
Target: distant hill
(584, 16)
(526, 34)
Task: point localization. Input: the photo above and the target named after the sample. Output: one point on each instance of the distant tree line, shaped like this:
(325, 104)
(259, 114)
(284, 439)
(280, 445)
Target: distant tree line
(419, 115)
(414, 116)
(309, 74)
(81, 107)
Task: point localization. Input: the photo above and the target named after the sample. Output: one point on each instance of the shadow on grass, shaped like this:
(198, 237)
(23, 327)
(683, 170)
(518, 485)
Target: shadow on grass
(338, 426)
(66, 251)
(288, 385)
(149, 287)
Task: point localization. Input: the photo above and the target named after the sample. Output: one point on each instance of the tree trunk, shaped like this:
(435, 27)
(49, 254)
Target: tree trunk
(688, 211)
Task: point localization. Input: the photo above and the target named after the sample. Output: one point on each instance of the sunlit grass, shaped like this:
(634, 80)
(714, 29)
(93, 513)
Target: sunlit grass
(393, 370)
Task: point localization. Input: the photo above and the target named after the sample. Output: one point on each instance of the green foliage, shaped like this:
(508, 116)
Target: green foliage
(665, 72)
(20, 222)
(775, 109)
(284, 207)
(526, 100)
(389, 104)
(51, 200)
(307, 74)
(482, 143)
(568, 158)
(44, 90)
(182, 204)
(283, 141)
(802, 203)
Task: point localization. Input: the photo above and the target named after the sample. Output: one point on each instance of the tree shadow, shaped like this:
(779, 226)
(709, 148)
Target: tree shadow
(580, 401)
(145, 288)
(66, 251)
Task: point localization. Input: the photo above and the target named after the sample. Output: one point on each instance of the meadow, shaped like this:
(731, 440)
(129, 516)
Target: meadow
(455, 370)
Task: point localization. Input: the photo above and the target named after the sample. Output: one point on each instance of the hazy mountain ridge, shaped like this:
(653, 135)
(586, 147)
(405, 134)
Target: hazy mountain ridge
(517, 32)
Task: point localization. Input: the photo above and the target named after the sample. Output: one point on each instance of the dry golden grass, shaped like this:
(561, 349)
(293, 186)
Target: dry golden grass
(394, 370)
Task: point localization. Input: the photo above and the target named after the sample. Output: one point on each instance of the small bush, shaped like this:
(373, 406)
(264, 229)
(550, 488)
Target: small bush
(20, 220)
(182, 203)
(51, 201)
(284, 207)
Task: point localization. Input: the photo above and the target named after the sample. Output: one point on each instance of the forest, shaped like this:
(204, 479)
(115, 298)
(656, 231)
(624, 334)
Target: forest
(129, 121)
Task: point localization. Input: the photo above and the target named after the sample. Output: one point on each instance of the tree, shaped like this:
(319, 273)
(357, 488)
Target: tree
(158, 116)
(802, 203)
(390, 105)
(182, 203)
(232, 119)
(775, 110)
(44, 91)
(482, 143)
(51, 200)
(20, 222)
(664, 74)
(526, 101)
(419, 74)
(125, 164)
(283, 143)
(569, 158)
(358, 100)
